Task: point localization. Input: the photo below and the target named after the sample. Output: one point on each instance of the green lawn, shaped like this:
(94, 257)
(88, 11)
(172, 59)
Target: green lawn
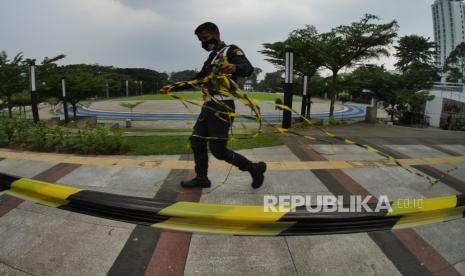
(142, 129)
(157, 145)
(261, 96)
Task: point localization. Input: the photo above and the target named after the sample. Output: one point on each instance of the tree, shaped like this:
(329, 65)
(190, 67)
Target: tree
(12, 78)
(53, 103)
(368, 77)
(404, 91)
(145, 80)
(454, 66)
(416, 62)
(80, 85)
(378, 81)
(253, 78)
(48, 79)
(305, 43)
(21, 99)
(345, 46)
(184, 75)
(130, 105)
(150, 79)
(273, 82)
(414, 50)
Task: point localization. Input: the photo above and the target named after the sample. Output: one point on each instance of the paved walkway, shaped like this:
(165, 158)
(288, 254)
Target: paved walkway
(37, 240)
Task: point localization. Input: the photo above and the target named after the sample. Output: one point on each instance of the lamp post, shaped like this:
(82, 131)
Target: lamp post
(65, 104)
(127, 88)
(304, 98)
(32, 78)
(288, 80)
(107, 90)
(309, 104)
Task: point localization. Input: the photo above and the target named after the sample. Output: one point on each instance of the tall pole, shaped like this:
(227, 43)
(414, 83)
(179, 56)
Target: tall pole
(289, 77)
(304, 98)
(34, 103)
(107, 90)
(309, 104)
(127, 88)
(65, 104)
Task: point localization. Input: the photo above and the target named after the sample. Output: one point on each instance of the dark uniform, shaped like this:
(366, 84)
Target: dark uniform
(213, 128)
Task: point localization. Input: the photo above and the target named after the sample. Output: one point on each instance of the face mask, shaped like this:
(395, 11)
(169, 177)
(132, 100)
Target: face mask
(210, 44)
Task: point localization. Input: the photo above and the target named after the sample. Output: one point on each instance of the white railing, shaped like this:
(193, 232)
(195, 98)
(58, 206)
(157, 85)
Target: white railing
(448, 86)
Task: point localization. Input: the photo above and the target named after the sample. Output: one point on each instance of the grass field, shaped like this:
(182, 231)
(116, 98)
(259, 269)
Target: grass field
(143, 129)
(261, 96)
(165, 145)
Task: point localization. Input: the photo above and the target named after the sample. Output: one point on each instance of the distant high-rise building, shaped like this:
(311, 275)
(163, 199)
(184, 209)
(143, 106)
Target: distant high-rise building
(449, 27)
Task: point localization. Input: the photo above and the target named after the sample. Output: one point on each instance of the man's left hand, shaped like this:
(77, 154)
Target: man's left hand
(228, 68)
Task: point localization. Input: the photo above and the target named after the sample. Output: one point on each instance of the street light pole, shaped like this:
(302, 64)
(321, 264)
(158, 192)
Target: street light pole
(304, 98)
(289, 77)
(65, 104)
(107, 90)
(127, 88)
(34, 103)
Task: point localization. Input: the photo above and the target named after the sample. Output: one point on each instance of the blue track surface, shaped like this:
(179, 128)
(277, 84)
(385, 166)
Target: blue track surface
(351, 112)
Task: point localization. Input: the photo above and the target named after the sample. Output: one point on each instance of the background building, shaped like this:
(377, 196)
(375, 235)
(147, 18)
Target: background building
(449, 31)
(449, 102)
(449, 28)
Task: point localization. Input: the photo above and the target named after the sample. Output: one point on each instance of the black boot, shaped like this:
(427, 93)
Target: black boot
(256, 171)
(197, 182)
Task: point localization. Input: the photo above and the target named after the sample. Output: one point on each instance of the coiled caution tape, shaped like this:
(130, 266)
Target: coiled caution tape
(232, 219)
(225, 86)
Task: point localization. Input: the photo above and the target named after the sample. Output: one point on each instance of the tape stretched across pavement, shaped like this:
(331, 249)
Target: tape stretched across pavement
(230, 219)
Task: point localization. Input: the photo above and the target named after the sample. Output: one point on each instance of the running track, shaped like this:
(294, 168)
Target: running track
(349, 112)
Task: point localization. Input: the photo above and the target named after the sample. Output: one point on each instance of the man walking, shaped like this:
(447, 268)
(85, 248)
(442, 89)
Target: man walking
(213, 124)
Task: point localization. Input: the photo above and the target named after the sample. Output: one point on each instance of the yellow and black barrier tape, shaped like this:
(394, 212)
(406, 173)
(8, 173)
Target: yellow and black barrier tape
(233, 219)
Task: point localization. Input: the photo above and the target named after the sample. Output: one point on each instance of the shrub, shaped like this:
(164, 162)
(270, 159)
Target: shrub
(344, 96)
(36, 137)
(332, 121)
(27, 135)
(5, 133)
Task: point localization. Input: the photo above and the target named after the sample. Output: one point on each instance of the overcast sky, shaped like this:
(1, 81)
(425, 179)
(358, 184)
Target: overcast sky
(158, 34)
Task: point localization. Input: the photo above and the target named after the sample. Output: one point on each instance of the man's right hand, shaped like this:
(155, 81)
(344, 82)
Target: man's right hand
(165, 89)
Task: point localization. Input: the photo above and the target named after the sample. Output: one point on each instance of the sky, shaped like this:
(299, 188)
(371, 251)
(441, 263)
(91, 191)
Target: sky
(159, 34)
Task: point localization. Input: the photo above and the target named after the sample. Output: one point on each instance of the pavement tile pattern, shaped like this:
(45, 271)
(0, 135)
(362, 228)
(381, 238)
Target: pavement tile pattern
(37, 240)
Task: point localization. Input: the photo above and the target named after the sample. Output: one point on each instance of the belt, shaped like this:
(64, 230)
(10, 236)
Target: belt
(219, 97)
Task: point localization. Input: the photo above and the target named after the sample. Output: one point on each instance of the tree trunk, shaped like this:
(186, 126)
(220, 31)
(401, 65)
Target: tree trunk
(392, 113)
(10, 110)
(333, 93)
